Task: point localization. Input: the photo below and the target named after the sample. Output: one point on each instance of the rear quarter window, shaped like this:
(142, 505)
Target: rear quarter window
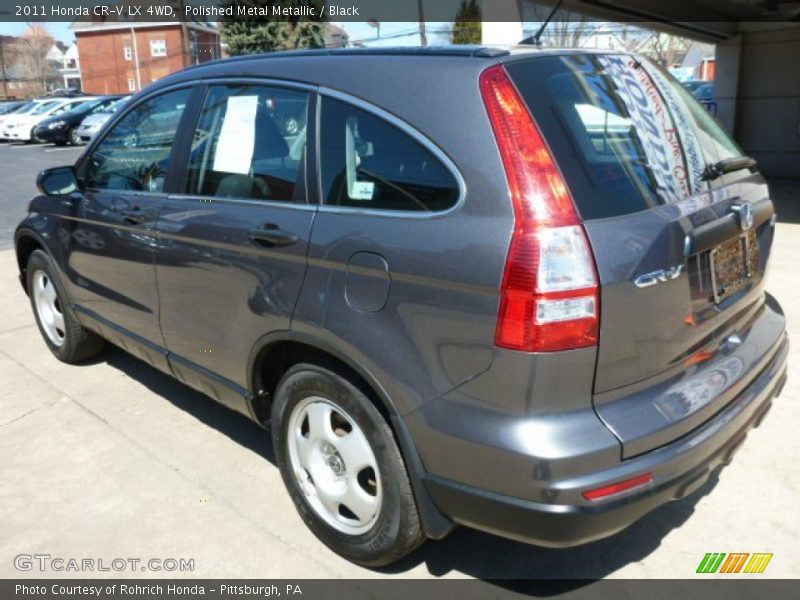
(367, 162)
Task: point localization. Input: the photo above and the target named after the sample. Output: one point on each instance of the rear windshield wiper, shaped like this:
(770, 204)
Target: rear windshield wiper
(728, 165)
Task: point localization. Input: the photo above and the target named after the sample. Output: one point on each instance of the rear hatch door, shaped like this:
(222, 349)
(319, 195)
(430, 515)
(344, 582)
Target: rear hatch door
(680, 254)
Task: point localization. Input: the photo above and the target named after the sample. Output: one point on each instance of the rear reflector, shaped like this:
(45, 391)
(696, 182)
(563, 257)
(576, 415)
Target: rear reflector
(549, 296)
(620, 486)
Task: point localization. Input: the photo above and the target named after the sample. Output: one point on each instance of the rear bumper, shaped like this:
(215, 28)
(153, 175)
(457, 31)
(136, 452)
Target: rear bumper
(678, 469)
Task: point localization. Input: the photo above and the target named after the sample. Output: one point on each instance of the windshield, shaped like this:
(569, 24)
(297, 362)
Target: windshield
(25, 108)
(692, 85)
(44, 107)
(87, 106)
(117, 105)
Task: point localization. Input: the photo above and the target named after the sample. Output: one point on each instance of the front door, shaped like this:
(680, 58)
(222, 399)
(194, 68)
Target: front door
(232, 248)
(109, 233)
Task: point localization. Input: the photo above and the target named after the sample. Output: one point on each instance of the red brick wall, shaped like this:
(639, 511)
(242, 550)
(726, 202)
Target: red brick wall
(104, 69)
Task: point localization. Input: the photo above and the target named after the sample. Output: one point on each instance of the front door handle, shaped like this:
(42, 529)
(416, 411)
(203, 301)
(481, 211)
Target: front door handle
(272, 235)
(135, 216)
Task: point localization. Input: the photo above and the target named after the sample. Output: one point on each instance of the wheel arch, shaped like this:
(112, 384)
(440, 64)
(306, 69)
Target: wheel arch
(25, 243)
(276, 352)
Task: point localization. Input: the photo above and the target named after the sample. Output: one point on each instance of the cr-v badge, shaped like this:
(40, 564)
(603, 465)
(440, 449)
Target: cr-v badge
(655, 277)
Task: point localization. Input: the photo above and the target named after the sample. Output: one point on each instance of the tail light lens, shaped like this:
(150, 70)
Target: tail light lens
(549, 295)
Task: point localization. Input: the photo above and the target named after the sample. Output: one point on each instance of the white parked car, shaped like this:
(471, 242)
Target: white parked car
(25, 109)
(21, 128)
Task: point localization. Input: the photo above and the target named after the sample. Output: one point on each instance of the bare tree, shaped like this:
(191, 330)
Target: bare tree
(665, 49)
(567, 29)
(31, 56)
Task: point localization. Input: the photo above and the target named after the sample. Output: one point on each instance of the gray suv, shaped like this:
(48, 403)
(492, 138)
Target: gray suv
(515, 289)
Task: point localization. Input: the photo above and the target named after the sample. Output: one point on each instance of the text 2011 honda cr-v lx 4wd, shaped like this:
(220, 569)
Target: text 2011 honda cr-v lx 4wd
(519, 290)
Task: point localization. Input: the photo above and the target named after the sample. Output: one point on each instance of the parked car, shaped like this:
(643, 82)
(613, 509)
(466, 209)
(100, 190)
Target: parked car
(92, 124)
(701, 89)
(705, 92)
(63, 128)
(7, 107)
(21, 127)
(498, 298)
(66, 93)
(24, 109)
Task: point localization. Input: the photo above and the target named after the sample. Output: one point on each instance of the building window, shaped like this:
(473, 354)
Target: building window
(158, 48)
(128, 53)
(132, 85)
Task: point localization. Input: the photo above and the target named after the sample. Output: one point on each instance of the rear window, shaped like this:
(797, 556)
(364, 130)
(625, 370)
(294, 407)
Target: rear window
(625, 134)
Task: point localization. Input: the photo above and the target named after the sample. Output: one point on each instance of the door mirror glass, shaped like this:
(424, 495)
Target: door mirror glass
(58, 180)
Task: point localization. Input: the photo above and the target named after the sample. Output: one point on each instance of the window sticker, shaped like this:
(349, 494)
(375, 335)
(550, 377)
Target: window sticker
(356, 190)
(237, 139)
(656, 131)
(685, 131)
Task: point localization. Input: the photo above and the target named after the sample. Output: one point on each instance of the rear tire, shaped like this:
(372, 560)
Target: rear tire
(335, 449)
(66, 338)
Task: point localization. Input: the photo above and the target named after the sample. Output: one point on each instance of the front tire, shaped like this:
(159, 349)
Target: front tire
(342, 467)
(66, 338)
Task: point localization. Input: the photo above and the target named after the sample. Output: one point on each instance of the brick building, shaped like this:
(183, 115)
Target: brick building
(120, 58)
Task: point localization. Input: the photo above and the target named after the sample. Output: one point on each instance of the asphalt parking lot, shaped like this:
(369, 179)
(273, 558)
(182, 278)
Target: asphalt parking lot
(113, 459)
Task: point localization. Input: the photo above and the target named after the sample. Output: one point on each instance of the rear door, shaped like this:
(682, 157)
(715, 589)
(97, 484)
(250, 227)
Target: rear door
(681, 257)
(232, 247)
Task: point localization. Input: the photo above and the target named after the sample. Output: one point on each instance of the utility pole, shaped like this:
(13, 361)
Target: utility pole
(3, 65)
(136, 60)
(423, 38)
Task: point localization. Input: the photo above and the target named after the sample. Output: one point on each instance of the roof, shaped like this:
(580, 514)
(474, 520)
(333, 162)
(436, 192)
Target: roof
(80, 27)
(463, 51)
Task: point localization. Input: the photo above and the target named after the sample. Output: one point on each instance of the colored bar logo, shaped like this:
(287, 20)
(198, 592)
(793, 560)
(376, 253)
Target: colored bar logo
(735, 562)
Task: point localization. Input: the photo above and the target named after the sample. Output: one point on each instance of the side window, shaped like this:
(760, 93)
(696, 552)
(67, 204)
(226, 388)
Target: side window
(367, 162)
(250, 143)
(135, 153)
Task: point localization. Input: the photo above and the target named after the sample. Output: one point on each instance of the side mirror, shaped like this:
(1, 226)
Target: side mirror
(58, 180)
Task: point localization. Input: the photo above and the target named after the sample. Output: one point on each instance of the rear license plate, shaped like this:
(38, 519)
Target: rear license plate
(734, 265)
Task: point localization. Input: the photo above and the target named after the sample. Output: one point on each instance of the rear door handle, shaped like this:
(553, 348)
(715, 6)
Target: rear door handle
(136, 216)
(709, 235)
(272, 235)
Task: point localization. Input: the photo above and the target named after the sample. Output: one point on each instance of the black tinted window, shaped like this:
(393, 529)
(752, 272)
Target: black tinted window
(367, 162)
(249, 143)
(135, 153)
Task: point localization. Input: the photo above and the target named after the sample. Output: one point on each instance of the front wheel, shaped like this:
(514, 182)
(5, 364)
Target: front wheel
(74, 137)
(63, 334)
(342, 467)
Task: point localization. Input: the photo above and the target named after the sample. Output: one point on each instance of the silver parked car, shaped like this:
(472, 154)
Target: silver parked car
(94, 123)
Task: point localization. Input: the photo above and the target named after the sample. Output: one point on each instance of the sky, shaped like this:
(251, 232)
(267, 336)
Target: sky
(59, 30)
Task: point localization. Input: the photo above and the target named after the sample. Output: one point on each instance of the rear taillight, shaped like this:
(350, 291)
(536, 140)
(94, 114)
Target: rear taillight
(549, 295)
